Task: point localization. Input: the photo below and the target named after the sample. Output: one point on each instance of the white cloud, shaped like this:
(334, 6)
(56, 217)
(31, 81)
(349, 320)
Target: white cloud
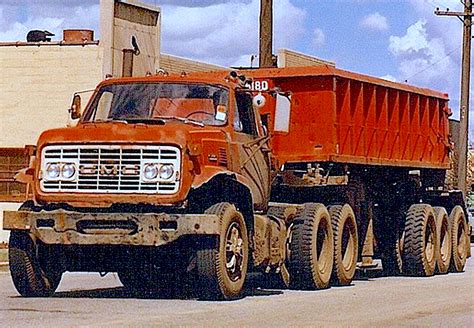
(424, 59)
(375, 22)
(55, 21)
(18, 31)
(223, 33)
(413, 41)
(318, 38)
(389, 77)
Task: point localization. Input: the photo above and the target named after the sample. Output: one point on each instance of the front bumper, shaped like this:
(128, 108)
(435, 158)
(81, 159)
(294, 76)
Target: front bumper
(136, 229)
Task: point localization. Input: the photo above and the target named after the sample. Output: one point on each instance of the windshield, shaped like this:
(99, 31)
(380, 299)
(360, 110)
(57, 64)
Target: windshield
(157, 102)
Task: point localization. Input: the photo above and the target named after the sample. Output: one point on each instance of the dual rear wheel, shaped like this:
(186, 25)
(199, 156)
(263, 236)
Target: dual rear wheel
(429, 242)
(324, 247)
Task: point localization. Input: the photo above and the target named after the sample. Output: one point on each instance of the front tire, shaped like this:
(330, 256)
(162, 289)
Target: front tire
(29, 278)
(222, 262)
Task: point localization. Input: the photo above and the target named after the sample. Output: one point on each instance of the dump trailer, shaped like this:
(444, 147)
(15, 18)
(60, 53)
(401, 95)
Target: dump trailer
(383, 148)
(297, 174)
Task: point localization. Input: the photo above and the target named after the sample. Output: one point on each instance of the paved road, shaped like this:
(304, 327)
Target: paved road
(92, 301)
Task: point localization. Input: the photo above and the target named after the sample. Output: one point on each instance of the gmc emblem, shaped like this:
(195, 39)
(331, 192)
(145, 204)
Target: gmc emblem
(109, 169)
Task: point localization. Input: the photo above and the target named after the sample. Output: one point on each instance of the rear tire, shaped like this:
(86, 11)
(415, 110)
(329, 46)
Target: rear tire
(420, 241)
(444, 245)
(222, 262)
(344, 228)
(311, 248)
(29, 278)
(459, 239)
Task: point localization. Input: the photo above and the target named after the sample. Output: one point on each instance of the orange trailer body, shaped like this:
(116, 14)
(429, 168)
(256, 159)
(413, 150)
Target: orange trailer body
(343, 117)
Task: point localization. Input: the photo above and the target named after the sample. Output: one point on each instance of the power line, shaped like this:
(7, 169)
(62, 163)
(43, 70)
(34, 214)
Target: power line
(432, 64)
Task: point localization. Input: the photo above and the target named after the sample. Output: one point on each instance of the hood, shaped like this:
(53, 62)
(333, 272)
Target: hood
(173, 133)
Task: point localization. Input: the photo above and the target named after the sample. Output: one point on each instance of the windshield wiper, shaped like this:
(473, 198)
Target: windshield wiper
(157, 121)
(105, 121)
(182, 119)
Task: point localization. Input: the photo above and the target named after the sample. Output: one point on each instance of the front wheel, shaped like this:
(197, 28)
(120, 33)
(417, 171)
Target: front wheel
(29, 277)
(222, 262)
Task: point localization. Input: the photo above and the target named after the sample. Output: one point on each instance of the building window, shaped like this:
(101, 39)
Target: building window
(11, 161)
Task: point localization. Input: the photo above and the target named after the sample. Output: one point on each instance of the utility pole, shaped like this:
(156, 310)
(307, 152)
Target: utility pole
(462, 144)
(266, 33)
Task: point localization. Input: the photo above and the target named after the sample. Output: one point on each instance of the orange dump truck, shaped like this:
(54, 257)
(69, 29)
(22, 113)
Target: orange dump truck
(298, 174)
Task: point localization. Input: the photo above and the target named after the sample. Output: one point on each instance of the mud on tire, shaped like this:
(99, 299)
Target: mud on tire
(443, 245)
(344, 228)
(222, 262)
(311, 248)
(459, 239)
(29, 278)
(419, 258)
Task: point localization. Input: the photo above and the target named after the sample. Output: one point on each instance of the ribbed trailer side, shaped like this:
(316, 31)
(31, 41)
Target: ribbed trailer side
(343, 117)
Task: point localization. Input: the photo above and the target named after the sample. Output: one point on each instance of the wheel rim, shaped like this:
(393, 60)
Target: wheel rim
(461, 240)
(444, 237)
(322, 247)
(430, 242)
(234, 252)
(347, 248)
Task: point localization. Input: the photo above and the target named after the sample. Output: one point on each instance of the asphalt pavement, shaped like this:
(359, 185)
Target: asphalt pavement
(88, 300)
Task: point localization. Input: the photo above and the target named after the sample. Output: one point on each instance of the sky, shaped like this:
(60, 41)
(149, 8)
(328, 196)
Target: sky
(399, 40)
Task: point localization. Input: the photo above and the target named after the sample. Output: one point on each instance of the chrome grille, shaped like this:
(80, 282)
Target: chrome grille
(111, 168)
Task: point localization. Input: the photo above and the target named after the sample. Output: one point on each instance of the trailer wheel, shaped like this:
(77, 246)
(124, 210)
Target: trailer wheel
(222, 262)
(344, 228)
(444, 244)
(420, 241)
(459, 239)
(311, 248)
(29, 278)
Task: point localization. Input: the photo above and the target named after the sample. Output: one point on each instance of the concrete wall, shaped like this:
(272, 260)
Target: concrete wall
(37, 84)
(174, 64)
(120, 20)
(4, 234)
(290, 58)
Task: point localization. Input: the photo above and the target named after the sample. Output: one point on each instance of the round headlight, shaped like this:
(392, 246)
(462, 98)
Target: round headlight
(150, 171)
(52, 171)
(166, 171)
(68, 171)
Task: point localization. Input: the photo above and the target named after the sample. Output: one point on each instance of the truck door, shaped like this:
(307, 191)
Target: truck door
(251, 146)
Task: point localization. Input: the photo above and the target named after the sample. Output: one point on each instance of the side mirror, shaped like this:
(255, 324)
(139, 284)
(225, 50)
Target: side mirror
(282, 113)
(75, 110)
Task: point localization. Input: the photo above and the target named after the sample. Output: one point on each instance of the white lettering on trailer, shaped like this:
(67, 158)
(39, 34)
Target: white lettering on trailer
(260, 85)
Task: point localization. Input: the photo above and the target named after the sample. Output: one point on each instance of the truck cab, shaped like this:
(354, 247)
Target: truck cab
(159, 170)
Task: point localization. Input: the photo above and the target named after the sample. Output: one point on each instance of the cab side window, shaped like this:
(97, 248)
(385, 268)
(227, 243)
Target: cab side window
(244, 120)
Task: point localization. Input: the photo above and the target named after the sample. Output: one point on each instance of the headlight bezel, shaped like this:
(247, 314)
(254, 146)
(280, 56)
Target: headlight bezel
(158, 177)
(60, 176)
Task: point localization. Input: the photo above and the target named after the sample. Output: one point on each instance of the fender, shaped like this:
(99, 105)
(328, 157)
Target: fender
(210, 172)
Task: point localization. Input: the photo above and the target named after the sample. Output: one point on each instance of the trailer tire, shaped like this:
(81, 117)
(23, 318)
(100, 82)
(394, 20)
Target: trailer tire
(311, 248)
(346, 244)
(459, 239)
(420, 241)
(444, 245)
(29, 278)
(222, 262)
